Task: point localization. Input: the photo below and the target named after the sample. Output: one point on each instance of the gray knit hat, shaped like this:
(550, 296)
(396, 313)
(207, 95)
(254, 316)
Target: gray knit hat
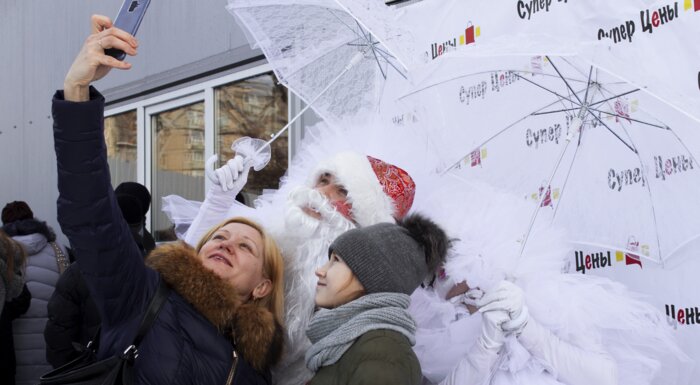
(394, 258)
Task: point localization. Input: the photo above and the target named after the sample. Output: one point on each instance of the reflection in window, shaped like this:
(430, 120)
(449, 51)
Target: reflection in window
(120, 137)
(178, 161)
(254, 107)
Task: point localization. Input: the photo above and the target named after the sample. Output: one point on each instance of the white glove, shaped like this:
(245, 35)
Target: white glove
(232, 176)
(492, 334)
(569, 363)
(507, 297)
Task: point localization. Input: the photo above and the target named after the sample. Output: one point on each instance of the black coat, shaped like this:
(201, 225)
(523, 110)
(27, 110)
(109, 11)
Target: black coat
(12, 309)
(189, 343)
(73, 318)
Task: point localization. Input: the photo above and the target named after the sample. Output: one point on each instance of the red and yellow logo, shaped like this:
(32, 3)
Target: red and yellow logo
(471, 32)
(691, 4)
(632, 258)
(546, 197)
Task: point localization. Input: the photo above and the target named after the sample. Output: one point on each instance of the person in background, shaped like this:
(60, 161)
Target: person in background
(14, 301)
(46, 260)
(73, 316)
(135, 201)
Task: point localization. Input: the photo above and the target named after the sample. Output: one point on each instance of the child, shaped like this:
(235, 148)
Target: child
(363, 333)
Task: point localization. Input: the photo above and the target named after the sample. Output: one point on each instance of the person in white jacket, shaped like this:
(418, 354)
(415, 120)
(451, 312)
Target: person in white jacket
(504, 314)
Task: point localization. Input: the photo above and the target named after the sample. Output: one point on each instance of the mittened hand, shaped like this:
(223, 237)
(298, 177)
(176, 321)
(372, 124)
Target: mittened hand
(507, 297)
(492, 334)
(232, 176)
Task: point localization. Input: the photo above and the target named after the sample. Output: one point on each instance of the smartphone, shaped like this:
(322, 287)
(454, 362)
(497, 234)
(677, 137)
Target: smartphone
(128, 19)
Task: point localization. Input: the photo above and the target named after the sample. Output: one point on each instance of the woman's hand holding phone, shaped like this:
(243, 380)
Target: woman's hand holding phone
(92, 63)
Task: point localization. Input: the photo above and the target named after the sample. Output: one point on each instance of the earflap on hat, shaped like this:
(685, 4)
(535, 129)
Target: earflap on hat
(378, 191)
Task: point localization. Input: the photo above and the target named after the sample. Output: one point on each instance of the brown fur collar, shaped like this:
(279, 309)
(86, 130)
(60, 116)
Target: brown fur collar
(257, 335)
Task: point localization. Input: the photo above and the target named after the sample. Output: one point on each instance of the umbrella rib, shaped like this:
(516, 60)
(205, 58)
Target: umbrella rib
(632, 148)
(497, 134)
(651, 199)
(630, 119)
(556, 111)
(564, 79)
(374, 53)
(614, 97)
(371, 47)
(345, 24)
(588, 85)
(651, 203)
(548, 186)
(515, 72)
(547, 89)
(568, 174)
(381, 53)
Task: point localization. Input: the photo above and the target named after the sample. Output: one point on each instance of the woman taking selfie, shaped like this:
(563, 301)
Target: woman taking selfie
(220, 323)
(363, 334)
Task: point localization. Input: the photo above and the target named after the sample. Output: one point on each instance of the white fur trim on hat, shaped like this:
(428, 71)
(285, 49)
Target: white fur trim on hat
(370, 205)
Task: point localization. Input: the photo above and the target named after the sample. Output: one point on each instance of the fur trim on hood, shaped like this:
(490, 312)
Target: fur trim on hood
(254, 331)
(28, 227)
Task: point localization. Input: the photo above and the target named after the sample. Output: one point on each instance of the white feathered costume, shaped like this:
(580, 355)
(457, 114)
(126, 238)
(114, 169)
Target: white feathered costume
(580, 321)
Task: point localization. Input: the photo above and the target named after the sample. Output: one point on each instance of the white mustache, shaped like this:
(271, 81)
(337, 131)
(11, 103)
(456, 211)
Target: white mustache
(307, 197)
(302, 197)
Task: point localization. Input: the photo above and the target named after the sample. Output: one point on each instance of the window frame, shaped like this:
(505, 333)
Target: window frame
(200, 92)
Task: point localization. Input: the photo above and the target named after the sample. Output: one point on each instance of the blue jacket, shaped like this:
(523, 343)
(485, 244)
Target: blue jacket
(192, 341)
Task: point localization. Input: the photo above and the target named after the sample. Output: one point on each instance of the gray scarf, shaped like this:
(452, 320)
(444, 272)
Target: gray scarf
(333, 331)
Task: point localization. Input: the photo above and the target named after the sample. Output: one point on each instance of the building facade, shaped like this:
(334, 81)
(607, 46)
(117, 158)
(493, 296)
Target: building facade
(196, 86)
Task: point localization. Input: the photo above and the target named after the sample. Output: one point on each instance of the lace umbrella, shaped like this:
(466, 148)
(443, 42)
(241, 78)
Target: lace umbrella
(321, 52)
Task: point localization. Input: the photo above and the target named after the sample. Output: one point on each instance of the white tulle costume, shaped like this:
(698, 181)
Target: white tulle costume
(578, 324)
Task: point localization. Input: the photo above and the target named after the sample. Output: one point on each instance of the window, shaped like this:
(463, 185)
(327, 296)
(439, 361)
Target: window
(254, 107)
(120, 137)
(178, 142)
(164, 141)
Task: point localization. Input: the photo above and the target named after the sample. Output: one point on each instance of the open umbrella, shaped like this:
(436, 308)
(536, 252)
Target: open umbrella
(649, 43)
(613, 165)
(321, 52)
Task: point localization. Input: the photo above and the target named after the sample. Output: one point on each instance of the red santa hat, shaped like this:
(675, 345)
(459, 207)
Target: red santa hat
(377, 191)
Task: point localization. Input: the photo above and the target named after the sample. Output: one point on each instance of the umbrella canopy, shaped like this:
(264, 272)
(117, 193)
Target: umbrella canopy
(320, 51)
(646, 42)
(611, 164)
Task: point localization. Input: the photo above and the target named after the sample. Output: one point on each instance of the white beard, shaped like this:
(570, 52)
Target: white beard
(305, 243)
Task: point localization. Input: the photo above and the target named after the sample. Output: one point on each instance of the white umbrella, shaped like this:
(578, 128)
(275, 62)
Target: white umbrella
(649, 43)
(613, 165)
(321, 52)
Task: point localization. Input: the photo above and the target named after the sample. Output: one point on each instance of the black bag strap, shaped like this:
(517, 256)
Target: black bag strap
(154, 307)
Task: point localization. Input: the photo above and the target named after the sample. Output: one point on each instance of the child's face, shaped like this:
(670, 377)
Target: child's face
(337, 285)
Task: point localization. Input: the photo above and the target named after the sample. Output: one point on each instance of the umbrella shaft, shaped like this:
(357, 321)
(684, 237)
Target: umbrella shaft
(355, 59)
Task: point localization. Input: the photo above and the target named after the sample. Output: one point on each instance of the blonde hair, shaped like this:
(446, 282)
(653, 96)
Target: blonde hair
(13, 251)
(273, 266)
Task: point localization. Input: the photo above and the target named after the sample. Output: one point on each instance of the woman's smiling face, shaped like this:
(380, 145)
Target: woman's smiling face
(337, 285)
(234, 253)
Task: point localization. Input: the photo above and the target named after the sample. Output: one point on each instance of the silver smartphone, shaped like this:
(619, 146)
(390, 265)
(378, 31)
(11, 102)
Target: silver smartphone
(128, 19)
